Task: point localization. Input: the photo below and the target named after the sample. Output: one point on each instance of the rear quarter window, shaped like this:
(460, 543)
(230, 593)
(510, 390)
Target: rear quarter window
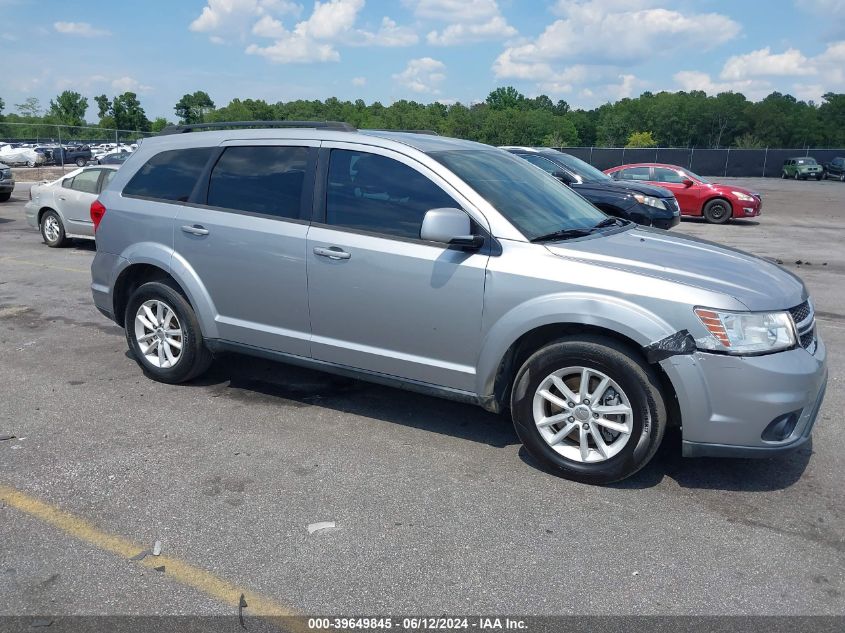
(169, 175)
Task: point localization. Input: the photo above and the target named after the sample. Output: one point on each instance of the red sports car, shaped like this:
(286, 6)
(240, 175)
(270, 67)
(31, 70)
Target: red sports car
(696, 195)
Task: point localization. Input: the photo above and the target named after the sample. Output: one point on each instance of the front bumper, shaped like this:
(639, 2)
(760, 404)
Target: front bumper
(727, 402)
(7, 186)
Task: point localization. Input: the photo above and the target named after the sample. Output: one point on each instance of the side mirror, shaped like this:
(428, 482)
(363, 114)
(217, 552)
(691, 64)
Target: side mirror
(563, 177)
(688, 182)
(450, 226)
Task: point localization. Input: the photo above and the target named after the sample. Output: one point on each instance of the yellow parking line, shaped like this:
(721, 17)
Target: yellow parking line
(14, 260)
(174, 568)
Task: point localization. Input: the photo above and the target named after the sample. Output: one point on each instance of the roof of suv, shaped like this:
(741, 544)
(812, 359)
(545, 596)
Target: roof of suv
(422, 142)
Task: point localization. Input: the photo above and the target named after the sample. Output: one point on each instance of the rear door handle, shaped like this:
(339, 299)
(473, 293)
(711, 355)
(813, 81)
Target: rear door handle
(332, 253)
(195, 229)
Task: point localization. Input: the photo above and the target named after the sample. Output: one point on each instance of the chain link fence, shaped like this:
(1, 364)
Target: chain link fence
(767, 162)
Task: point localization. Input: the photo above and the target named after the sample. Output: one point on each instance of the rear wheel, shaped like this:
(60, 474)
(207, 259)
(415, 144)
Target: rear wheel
(717, 211)
(52, 229)
(842, 177)
(783, 175)
(588, 409)
(797, 177)
(164, 335)
(81, 162)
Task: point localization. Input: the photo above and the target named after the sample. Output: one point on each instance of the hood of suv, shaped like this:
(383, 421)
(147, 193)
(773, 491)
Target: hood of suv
(756, 283)
(624, 187)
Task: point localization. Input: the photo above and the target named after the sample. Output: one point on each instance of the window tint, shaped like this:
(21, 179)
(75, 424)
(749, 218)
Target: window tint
(663, 174)
(169, 175)
(542, 163)
(376, 193)
(86, 181)
(264, 180)
(635, 173)
(107, 178)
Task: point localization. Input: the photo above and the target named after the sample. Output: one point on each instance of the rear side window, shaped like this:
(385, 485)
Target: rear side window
(375, 193)
(635, 173)
(267, 180)
(86, 181)
(169, 175)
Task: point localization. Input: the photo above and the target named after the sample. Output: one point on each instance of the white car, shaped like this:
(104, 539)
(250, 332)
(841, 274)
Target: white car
(20, 156)
(62, 208)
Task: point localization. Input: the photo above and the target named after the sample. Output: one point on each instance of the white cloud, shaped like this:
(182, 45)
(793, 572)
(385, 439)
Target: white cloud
(422, 75)
(762, 63)
(128, 84)
(359, 81)
(82, 29)
(752, 73)
(467, 21)
(227, 17)
(331, 23)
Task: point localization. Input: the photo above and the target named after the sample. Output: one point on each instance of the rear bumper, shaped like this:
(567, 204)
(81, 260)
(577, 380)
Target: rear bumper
(728, 402)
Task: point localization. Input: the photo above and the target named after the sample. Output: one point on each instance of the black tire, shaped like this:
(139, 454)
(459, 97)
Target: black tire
(797, 177)
(783, 175)
(81, 162)
(59, 238)
(5, 196)
(842, 177)
(717, 211)
(194, 358)
(634, 377)
(819, 177)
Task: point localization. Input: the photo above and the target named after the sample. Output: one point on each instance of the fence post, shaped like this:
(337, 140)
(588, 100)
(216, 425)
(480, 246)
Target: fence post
(61, 149)
(691, 150)
(765, 160)
(591, 155)
(623, 155)
(656, 150)
(727, 160)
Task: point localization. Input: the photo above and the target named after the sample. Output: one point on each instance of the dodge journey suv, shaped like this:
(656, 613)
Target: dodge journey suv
(458, 270)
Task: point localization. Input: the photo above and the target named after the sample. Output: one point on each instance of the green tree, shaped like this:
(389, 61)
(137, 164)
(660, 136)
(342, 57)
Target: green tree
(748, 141)
(68, 108)
(158, 124)
(128, 113)
(2, 106)
(641, 139)
(505, 98)
(103, 106)
(192, 108)
(31, 108)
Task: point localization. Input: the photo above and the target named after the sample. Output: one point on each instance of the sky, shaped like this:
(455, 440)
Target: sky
(586, 52)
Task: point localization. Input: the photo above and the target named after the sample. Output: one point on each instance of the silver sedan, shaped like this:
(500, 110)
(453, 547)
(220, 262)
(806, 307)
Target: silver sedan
(62, 208)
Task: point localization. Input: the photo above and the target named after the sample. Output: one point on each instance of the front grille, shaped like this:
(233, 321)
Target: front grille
(672, 205)
(805, 324)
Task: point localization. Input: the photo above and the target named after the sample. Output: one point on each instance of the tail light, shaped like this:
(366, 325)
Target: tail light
(97, 213)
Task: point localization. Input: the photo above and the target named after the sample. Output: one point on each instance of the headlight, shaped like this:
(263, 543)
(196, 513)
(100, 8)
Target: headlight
(650, 201)
(743, 196)
(746, 332)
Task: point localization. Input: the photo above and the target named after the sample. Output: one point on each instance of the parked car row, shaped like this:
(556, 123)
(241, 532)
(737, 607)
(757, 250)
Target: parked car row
(19, 154)
(806, 167)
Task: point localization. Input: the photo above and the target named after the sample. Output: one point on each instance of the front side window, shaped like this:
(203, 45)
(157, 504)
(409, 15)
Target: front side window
(169, 175)
(529, 199)
(543, 163)
(86, 181)
(262, 179)
(375, 193)
(635, 173)
(663, 174)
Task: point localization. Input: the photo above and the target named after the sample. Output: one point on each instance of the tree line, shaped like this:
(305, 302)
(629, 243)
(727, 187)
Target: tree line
(505, 117)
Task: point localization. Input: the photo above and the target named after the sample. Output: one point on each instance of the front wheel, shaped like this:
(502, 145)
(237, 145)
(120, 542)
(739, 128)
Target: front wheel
(164, 335)
(717, 211)
(797, 177)
(589, 409)
(81, 162)
(842, 177)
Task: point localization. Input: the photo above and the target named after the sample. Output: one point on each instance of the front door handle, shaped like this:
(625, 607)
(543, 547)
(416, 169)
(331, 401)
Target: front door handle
(332, 253)
(195, 229)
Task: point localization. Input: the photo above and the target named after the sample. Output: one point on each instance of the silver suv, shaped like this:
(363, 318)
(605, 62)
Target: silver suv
(459, 270)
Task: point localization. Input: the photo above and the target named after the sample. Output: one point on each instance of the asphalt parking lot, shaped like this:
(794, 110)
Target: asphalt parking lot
(437, 508)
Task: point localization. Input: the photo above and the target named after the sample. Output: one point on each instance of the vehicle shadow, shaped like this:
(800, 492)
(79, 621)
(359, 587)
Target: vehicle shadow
(254, 380)
(731, 222)
(738, 475)
(83, 245)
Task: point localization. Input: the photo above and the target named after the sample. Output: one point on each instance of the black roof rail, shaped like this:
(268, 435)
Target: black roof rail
(432, 132)
(193, 127)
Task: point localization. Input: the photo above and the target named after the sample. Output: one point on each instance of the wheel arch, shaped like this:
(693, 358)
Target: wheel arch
(140, 270)
(718, 196)
(626, 324)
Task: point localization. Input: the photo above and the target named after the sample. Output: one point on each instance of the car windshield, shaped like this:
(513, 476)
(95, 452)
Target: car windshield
(533, 201)
(584, 170)
(695, 176)
(805, 161)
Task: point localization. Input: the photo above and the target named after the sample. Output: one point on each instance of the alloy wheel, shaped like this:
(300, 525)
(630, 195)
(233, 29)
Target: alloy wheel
(158, 333)
(52, 229)
(583, 414)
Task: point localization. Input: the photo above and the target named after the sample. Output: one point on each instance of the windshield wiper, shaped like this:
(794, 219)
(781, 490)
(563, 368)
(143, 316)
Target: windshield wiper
(563, 234)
